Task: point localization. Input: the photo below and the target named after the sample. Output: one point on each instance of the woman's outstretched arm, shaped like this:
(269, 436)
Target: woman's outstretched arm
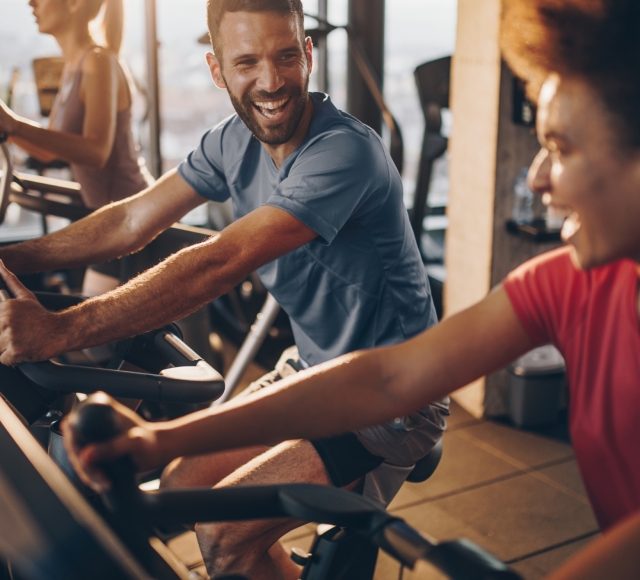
(353, 391)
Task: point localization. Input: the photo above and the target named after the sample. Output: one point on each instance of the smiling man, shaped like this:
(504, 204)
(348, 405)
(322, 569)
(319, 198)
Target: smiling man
(319, 214)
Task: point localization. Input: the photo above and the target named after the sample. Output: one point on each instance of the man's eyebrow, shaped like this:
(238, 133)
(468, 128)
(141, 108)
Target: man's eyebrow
(292, 48)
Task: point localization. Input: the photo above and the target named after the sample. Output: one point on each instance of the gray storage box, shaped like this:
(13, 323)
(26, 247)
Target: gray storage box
(536, 383)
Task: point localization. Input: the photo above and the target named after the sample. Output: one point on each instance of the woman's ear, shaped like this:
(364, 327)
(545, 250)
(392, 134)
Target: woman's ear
(216, 70)
(75, 6)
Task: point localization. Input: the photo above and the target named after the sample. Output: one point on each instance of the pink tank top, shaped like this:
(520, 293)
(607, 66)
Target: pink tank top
(123, 175)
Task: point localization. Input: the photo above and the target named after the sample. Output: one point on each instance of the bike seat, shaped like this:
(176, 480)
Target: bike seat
(427, 465)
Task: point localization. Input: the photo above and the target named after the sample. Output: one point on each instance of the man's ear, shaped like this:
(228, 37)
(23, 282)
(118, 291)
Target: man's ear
(308, 47)
(216, 70)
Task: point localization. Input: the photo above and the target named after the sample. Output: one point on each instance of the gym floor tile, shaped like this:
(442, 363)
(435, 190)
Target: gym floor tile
(566, 474)
(526, 448)
(301, 532)
(510, 518)
(302, 542)
(389, 569)
(464, 465)
(185, 546)
(538, 566)
(459, 417)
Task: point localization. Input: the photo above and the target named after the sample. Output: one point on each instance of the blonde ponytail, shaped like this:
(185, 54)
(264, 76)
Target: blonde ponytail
(107, 22)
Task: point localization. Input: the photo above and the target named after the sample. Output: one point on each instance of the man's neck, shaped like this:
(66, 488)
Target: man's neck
(280, 152)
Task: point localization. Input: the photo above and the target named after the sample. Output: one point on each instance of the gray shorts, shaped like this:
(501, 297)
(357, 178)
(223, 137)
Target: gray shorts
(384, 454)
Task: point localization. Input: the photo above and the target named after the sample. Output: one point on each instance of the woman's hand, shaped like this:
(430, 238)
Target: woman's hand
(8, 120)
(140, 441)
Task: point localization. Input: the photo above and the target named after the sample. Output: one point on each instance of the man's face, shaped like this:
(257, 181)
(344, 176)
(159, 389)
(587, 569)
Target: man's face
(265, 68)
(584, 171)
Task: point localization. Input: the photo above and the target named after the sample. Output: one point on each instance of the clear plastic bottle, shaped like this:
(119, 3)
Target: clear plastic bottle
(524, 198)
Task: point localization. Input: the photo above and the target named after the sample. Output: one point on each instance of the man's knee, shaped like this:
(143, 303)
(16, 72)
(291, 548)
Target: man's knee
(173, 475)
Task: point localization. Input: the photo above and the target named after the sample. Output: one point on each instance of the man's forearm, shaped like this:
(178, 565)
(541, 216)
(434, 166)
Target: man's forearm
(170, 291)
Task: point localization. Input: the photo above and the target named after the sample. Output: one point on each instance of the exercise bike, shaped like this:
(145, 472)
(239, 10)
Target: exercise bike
(50, 532)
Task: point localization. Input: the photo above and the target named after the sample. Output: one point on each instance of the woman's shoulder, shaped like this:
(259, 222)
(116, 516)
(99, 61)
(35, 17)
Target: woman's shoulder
(99, 59)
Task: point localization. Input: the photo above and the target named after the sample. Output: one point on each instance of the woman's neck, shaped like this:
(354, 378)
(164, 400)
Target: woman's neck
(74, 42)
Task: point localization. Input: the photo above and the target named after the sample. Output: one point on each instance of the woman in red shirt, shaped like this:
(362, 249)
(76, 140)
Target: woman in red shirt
(582, 57)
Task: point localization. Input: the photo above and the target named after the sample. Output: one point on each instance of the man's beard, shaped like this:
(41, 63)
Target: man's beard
(279, 133)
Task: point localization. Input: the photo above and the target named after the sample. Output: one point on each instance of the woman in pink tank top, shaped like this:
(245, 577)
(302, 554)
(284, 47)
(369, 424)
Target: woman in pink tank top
(90, 125)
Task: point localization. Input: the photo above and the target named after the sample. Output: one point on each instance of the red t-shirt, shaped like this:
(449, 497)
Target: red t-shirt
(591, 317)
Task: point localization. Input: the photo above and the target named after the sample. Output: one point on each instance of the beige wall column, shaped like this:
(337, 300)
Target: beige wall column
(475, 97)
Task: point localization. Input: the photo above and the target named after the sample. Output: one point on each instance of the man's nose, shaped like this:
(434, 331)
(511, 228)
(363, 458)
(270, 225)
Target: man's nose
(269, 78)
(538, 178)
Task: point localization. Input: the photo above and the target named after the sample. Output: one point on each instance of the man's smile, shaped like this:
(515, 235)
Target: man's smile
(272, 109)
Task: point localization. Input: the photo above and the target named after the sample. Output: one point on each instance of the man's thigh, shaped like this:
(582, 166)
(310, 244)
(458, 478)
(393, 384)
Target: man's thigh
(207, 470)
(289, 462)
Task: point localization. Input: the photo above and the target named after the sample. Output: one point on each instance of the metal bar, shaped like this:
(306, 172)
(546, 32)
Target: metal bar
(323, 51)
(153, 89)
(250, 347)
(366, 22)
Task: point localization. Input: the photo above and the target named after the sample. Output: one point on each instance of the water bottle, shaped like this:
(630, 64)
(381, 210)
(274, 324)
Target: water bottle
(524, 199)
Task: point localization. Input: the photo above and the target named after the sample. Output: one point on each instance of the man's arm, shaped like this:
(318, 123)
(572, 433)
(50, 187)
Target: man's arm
(110, 232)
(171, 290)
(353, 391)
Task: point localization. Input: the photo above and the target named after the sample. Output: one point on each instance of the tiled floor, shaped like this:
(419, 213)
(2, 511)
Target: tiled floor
(516, 493)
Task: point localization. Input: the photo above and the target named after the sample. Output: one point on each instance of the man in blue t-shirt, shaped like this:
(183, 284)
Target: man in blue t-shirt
(319, 214)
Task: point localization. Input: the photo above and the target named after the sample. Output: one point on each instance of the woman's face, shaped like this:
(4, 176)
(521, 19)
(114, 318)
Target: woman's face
(50, 15)
(584, 170)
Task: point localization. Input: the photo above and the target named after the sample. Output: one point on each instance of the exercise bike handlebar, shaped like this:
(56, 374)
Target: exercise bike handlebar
(190, 380)
(95, 421)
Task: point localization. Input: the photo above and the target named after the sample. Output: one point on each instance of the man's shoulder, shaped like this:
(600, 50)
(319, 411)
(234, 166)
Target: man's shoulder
(328, 119)
(229, 138)
(338, 134)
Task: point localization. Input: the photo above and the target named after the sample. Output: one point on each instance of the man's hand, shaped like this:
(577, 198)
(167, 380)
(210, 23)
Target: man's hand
(139, 441)
(8, 120)
(28, 332)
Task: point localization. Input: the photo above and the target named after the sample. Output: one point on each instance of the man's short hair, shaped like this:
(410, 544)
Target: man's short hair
(595, 40)
(216, 9)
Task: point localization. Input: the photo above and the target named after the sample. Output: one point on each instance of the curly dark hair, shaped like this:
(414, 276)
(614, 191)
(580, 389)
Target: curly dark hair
(216, 10)
(596, 40)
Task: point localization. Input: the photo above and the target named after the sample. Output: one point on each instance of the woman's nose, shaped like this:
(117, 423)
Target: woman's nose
(539, 173)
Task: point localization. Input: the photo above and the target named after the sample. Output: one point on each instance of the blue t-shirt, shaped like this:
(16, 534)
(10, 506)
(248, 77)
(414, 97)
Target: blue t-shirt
(361, 283)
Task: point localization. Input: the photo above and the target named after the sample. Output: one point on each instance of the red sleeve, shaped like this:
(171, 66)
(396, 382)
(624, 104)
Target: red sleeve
(544, 292)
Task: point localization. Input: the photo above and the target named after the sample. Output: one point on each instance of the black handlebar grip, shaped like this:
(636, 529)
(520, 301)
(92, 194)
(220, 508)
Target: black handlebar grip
(94, 421)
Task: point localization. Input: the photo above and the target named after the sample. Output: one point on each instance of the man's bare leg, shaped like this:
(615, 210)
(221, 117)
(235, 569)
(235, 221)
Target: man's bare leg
(206, 470)
(250, 548)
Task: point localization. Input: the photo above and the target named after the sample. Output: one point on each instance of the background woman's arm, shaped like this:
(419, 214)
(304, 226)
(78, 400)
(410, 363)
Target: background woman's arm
(92, 149)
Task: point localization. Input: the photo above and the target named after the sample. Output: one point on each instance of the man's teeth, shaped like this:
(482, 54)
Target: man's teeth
(271, 105)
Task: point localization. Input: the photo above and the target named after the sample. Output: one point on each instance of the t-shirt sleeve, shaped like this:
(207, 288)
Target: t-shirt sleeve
(203, 167)
(544, 292)
(339, 176)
